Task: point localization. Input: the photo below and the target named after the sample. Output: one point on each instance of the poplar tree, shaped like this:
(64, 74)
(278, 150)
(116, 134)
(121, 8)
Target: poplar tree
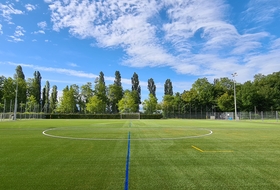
(100, 90)
(137, 89)
(53, 99)
(152, 87)
(115, 92)
(19, 78)
(168, 89)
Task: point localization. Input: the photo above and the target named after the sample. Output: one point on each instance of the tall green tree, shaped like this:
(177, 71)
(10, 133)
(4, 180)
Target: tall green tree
(34, 86)
(100, 90)
(268, 91)
(32, 105)
(9, 88)
(85, 95)
(67, 103)
(168, 88)
(46, 97)
(2, 80)
(128, 103)
(150, 104)
(19, 73)
(37, 86)
(53, 99)
(137, 89)
(95, 105)
(220, 87)
(167, 105)
(203, 91)
(226, 102)
(19, 77)
(248, 96)
(152, 87)
(115, 92)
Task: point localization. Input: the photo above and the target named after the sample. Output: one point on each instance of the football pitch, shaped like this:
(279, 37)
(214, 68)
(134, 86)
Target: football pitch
(139, 154)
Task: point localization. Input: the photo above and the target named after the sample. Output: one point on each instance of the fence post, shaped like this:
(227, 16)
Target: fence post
(277, 116)
(250, 115)
(262, 115)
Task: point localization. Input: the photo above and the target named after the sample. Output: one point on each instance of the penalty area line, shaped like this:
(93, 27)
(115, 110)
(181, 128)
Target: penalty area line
(197, 149)
(200, 150)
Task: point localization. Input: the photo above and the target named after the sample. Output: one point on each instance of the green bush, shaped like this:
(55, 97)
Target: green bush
(97, 116)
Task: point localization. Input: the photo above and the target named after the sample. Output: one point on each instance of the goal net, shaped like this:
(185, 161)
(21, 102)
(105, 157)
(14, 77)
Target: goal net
(130, 116)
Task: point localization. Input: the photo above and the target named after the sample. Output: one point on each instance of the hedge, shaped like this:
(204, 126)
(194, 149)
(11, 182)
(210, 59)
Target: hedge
(97, 116)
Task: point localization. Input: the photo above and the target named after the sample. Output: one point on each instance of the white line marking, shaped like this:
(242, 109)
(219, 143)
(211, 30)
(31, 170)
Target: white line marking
(146, 139)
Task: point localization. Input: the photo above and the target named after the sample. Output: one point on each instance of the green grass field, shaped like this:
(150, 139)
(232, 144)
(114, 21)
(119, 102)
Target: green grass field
(163, 154)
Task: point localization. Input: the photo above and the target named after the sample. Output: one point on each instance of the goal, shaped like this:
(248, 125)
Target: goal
(130, 116)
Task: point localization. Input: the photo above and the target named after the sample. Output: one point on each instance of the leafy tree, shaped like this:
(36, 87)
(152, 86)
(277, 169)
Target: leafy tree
(31, 105)
(67, 102)
(76, 94)
(128, 103)
(248, 96)
(226, 102)
(53, 99)
(150, 105)
(152, 87)
(34, 86)
(167, 104)
(19, 73)
(268, 91)
(2, 80)
(21, 83)
(9, 88)
(177, 103)
(100, 90)
(168, 88)
(46, 97)
(37, 86)
(95, 105)
(203, 92)
(86, 94)
(137, 89)
(115, 92)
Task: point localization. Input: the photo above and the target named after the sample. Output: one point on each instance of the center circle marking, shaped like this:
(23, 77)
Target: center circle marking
(45, 132)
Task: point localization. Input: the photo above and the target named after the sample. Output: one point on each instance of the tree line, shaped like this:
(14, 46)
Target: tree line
(261, 94)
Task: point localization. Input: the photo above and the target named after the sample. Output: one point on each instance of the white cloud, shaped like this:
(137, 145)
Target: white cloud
(7, 10)
(30, 7)
(15, 39)
(73, 64)
(42, 25)
(39, 32)
(1, 32)
(47, 1)
(19, 32)
(191, 37)
(262, 10)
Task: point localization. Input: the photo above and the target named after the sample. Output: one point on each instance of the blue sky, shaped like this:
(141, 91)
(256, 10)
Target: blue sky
(71, 41)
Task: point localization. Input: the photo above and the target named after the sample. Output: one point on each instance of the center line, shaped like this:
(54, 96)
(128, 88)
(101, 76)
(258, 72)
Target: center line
(127, 163)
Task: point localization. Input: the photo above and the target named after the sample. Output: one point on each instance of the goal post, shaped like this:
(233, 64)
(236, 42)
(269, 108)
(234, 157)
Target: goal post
(130, 116)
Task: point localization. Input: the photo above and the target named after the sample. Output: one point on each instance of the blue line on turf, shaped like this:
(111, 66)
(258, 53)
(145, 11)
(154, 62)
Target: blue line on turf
(127, 163)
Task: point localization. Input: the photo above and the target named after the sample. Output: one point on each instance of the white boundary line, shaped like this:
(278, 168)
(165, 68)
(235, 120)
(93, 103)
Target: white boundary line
(146, 139)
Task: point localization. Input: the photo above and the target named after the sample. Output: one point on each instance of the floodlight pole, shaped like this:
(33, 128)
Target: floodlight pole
(235, 109)
(15, 110)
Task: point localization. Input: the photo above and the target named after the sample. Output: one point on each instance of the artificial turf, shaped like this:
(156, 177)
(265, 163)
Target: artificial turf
(164, 154)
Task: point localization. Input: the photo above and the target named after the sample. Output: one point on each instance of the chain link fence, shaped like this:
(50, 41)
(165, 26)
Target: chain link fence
(263, 115)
